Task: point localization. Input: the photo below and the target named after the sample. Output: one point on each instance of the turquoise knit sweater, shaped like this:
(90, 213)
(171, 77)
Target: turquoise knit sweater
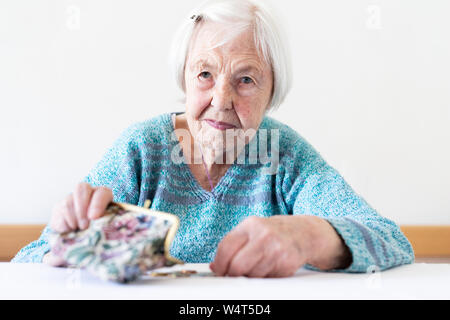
(139, 166)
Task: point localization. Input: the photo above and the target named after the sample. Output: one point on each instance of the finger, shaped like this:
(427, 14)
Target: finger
(263, 268)
(274, 252)
(101, 197)
(69, 213)
(280, 273)
(246, 259)
(58, 222)
(82, 197)
(62, 225)
(285, 266)
(226, 249)
(53, 260)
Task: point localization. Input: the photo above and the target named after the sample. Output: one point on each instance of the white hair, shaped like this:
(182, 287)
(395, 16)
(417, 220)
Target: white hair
(239, 16)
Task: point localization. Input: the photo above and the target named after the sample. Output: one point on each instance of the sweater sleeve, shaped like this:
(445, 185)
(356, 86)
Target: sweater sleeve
(310, 186)
(119, 169)
(34, 251)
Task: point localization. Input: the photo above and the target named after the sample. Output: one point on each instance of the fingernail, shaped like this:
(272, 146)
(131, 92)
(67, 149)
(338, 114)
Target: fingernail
(84, 224)
(92, 214)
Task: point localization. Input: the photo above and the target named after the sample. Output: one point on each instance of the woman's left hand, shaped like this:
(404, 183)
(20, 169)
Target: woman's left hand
(278, 246)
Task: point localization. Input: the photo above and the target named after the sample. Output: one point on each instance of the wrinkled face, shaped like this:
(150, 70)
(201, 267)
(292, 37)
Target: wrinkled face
(231, 84)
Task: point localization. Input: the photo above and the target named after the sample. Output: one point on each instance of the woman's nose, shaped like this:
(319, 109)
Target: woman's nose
(222, 95)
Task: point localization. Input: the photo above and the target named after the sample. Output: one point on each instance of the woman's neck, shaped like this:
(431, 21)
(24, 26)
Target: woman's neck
(208, 160)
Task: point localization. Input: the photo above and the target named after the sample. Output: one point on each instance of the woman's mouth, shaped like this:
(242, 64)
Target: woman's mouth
(220, 125)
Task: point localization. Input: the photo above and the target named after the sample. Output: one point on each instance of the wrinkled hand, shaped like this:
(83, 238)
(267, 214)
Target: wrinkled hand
(277, 247)
(76, 210)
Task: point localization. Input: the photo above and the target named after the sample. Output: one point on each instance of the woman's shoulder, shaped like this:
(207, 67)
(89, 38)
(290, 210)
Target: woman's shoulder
(292, 146)
(289, 138)
(154, 130)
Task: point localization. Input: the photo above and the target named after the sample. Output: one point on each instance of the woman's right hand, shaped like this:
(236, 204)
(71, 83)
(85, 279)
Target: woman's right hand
(76, 210)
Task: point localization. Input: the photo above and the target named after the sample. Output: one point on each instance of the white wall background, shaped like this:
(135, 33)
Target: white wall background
(371, 93)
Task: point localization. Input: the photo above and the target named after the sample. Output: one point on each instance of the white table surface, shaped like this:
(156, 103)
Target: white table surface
(39, 281)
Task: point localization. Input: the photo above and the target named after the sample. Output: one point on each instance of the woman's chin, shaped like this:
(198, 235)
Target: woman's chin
(211, 155)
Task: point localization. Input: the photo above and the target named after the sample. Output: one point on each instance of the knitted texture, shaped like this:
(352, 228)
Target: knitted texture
(140, 166)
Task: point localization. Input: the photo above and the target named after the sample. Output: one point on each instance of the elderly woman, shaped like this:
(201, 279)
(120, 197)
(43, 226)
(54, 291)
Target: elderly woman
(243, 214)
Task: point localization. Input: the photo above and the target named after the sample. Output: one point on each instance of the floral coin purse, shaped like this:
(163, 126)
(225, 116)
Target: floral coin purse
(125, 243)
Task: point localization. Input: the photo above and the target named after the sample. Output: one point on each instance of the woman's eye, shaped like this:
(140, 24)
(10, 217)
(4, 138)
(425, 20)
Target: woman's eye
(246, 80)
(205, 75)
